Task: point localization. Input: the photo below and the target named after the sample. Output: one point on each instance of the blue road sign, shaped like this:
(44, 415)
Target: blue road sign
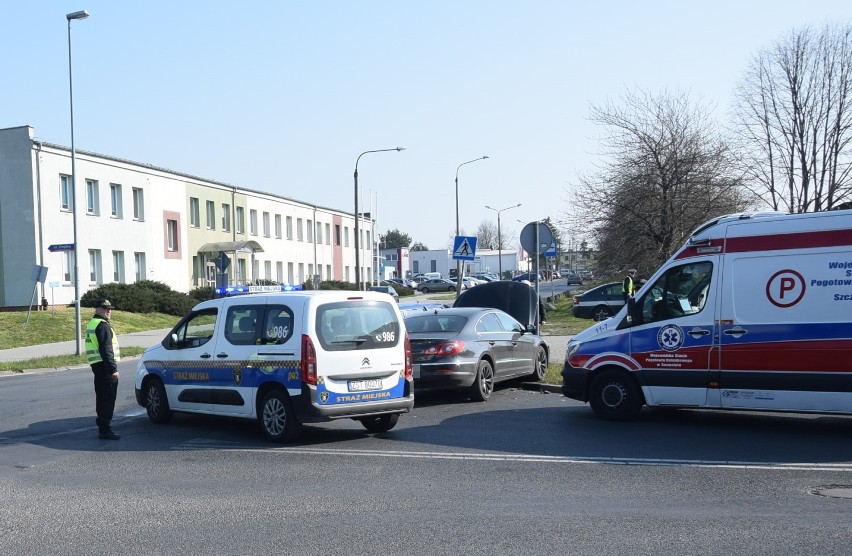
(60, 247)
(552, 251)
(464, 248)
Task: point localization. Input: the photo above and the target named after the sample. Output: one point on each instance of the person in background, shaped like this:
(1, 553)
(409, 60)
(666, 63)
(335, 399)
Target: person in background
(628, 286)
(103, 354)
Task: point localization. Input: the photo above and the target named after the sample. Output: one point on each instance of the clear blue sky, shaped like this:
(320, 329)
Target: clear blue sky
(282, 96)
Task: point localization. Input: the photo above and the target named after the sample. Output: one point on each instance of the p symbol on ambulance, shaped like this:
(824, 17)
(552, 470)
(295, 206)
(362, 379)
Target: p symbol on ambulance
(785, 288)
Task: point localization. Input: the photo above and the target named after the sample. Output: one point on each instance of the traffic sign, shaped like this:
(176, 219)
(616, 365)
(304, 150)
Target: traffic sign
(536, 235)
(464, 248)
(60, 247)
(552, 251)
(223, 261)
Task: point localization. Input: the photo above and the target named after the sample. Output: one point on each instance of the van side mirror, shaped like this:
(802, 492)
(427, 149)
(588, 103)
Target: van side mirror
(632, 317)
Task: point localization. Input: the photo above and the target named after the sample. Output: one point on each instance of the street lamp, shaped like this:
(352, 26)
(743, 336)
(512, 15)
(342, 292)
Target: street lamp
(82, 14)
(459, 263)
(499, 238)
(357, 248)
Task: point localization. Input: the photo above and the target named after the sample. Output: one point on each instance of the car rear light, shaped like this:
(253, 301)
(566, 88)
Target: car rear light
(309, 361)
(576, 300)
(445, 348)
(409, 362)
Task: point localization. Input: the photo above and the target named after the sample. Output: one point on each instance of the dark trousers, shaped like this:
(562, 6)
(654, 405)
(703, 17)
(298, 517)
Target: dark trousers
(106, 388)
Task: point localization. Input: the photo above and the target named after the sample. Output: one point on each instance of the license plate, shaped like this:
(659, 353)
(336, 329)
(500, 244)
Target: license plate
(364, 385)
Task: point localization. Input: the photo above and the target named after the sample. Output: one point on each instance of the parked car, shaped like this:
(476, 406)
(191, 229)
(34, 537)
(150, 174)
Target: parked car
(573, 278)
(529, 277)
(404, 282)
(486, 276)
(598, 303)
(386, 289)
(438, 285)
(470, 281)
(472, 348)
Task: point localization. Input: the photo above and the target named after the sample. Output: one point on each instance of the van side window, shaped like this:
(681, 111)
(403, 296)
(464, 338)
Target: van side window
(195, 331)
(241, 324)
(278, 325)
(682, 290)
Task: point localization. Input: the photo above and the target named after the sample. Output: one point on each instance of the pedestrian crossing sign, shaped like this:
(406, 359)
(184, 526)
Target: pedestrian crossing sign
(464, 248)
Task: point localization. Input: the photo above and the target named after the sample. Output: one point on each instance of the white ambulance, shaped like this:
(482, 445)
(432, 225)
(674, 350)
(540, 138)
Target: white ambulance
(283, 359)
(754, 312)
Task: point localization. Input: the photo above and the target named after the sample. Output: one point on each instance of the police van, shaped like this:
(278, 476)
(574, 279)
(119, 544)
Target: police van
(284, 359)
(754, 312)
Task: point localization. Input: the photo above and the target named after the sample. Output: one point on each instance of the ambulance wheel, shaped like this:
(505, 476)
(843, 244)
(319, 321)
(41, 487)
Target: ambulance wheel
(540, 365)
(615, 396)
(380, 423)
(276, 417)
(483, 384)
(156, 402)
(601, 312)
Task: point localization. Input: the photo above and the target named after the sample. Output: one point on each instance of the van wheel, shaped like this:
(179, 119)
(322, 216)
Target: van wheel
(483, 384)
(601, 312)
(540, 364)
(156, 402)
(380, 423)
(615, 396)
(276, 417)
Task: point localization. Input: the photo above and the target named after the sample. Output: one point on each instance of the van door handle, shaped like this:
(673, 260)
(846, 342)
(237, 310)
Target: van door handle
(491, 343)
(204, 356)
(221, 355)
(698, 332)
(736, 332)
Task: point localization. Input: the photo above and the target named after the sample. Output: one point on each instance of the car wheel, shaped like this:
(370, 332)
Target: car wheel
(540, 364)
(601, 312)
(615, 396)
(483, 384)
(156, 402)
(276, 417)
(380, 423)
(425, 290)
(452, 288)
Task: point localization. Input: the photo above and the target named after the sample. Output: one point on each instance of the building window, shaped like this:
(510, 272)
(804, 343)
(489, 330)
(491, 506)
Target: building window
(241, 220)
(95, 275)
(139, 262)
(226, 217)
(299, 229)
(115, 200)
(290, 276)
(66, 197)
(93, 205)
(309, 226)
(172, 231)
(265, 224)
(279, 272)
(290, 228)
(241, 271)
(253, 222)
(255, 269)
(319, 232)
(267, 270)
(346, 236)
(118, 266)
(328, 234)
(68, 275)
(194, 215)
(301, 276)
(278, 226)
(337, 234)
(211, 215)
(328, 272)
(138, 204)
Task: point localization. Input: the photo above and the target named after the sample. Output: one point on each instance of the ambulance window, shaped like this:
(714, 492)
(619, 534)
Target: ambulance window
(194, 331)
(681, 291)
(278, 325)
(241, 324)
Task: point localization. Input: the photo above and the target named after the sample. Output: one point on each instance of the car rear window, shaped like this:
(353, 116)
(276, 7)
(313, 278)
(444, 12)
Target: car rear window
(357, 325)
(435, 323)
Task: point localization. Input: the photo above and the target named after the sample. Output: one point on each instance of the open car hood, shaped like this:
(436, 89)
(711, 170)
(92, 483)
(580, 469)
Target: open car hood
(516, 298)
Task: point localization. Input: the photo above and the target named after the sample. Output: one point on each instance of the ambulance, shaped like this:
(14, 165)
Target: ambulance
(754, 312)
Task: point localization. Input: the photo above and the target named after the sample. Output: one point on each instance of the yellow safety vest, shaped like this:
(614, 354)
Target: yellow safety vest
(627, 285)
(93, 353)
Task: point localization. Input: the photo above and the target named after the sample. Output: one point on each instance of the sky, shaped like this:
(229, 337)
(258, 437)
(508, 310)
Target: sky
(283, 96)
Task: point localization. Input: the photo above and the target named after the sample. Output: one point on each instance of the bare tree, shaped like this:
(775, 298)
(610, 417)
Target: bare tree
(793, 120)
(486, 235)
(666, 170)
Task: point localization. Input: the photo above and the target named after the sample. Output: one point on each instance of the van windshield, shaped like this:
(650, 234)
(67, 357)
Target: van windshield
(357, 325)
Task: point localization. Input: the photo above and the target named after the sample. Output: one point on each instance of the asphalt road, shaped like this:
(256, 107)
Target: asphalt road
(524, 473)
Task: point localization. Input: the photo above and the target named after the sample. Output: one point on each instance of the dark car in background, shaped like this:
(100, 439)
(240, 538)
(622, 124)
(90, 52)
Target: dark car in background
(472, 348)
(528, 276)
(386, 289)
(437, 285)
(572, 278)
(598, 303)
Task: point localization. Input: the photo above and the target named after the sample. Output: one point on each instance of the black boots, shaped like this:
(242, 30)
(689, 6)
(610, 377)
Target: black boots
(107, 434)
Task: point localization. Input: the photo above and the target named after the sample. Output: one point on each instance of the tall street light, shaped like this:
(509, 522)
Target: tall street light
(357, 215)
(82, 14)
(499, 237)
(459, 263)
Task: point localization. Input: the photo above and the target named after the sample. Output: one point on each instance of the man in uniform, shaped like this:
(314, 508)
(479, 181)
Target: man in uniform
(628, 288)
(103, 354)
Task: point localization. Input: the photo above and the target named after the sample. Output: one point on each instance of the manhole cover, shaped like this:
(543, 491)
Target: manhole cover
(833, 491)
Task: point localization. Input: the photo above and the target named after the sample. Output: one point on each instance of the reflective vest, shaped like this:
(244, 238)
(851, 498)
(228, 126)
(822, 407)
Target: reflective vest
(93, 353)
(627, 286)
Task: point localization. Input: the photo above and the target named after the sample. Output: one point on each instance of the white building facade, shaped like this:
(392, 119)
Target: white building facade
(140, 222)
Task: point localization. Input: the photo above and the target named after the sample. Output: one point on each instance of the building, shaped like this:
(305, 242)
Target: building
(441, 260)
(137, 222)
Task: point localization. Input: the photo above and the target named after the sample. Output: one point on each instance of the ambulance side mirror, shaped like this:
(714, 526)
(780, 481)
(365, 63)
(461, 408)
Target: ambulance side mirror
(632, 317)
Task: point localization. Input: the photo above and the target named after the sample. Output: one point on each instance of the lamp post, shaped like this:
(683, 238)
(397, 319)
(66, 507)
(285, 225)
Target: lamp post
(499, 238)
(357, 216)
(82, 14)
(459, 263)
